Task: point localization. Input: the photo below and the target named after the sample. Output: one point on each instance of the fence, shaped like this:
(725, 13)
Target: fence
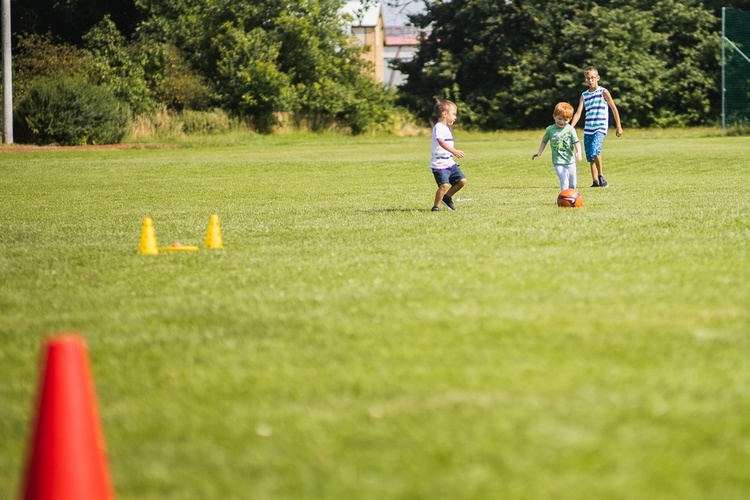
(735, 69)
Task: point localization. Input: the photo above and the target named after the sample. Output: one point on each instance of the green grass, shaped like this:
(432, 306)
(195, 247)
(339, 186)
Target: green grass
(347, 343)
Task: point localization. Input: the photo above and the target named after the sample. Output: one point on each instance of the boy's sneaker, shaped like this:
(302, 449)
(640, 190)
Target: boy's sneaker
(603, 182)
(435, 209)
(595, 185)
(448, 202)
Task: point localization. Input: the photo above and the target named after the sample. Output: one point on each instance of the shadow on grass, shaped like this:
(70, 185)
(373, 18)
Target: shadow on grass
(394, 210)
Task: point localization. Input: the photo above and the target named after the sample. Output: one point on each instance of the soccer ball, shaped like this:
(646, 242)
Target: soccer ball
(569, 198)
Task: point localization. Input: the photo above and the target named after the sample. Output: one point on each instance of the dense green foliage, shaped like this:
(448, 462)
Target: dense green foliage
(70, 20)
(505, 62)
(349, 344)
(40, 56)
(255, 60)
(508, 63)
(69, 111)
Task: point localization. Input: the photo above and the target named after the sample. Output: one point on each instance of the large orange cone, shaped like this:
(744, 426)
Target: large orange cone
(66, 458)
(213, 236)
(148, 244)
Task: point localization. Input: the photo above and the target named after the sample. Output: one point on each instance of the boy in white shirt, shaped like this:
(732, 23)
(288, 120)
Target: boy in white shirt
(447, 174)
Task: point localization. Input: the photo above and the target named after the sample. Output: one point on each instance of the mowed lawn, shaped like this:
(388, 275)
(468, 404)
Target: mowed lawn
(347, 343)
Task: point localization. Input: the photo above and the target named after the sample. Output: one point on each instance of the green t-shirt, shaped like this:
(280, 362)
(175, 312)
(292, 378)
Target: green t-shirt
(562, 142)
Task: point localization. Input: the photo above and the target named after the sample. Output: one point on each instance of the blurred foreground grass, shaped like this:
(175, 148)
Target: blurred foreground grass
(348, 343)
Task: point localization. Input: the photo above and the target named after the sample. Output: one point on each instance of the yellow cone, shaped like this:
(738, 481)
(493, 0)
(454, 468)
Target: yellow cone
(213, 236)
(148, 244)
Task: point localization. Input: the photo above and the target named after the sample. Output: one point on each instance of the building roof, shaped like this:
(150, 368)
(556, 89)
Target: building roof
(401, 35)
(401, 41)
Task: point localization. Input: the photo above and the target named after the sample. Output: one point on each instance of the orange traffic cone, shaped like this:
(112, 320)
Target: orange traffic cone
(148, 244)
(213, 236)
(66, 458)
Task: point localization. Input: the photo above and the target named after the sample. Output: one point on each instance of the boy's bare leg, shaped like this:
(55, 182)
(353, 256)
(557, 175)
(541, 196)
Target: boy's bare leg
(597, 172)
(599, 166)
(441, 190)
(454, 188)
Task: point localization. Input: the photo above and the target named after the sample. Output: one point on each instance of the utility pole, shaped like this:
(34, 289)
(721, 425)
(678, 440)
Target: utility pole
(7, 77)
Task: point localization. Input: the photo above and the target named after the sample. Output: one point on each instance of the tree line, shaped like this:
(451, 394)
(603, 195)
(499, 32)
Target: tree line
(253, 59)
(509, 62)
(506, 63)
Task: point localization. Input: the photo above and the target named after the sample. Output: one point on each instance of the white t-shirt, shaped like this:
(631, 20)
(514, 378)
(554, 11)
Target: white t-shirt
(441, 158)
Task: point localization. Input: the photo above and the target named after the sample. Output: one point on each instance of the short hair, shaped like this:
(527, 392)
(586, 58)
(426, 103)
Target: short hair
(590, 69)
(443, 105)
(564, 110)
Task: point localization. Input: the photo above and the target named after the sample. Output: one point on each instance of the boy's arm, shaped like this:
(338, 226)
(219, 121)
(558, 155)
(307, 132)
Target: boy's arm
(541, 148)
(455, 152)
(577, 145)
(577, 116)
(613, 107)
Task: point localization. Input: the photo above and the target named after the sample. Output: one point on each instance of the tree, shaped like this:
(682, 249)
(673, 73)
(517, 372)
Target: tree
(248, 78)
(118, 71)
(254, 59)
(508, 63)
(70, 20)
(272, 56)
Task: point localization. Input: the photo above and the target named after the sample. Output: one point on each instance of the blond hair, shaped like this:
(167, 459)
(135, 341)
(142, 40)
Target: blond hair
(443, 105)
(590, 69)
(563, 110)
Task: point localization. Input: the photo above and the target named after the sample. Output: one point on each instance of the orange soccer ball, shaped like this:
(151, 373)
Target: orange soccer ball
(569, 198)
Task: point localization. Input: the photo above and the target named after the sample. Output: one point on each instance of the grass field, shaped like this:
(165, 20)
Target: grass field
(347, 343)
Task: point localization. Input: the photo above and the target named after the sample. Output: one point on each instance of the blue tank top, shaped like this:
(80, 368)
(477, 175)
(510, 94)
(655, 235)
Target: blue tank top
(597, 112)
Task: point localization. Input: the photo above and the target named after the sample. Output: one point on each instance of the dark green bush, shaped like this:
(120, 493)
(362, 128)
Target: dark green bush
(70, 111)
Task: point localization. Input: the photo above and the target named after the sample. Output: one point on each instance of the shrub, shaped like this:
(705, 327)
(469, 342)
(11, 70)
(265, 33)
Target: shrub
(167, 124)
(205, 122)
(737, 126)
(159, 125)
(40, 56)
(70, 111)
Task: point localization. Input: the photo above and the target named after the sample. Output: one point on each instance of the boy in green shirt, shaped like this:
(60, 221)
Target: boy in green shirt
(566, 148)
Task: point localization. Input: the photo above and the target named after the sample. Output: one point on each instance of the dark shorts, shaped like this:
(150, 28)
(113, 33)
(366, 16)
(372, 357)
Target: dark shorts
(452, 175)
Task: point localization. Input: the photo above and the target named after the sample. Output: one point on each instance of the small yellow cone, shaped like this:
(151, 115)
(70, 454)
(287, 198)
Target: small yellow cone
(148, 244)
(213, 236)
